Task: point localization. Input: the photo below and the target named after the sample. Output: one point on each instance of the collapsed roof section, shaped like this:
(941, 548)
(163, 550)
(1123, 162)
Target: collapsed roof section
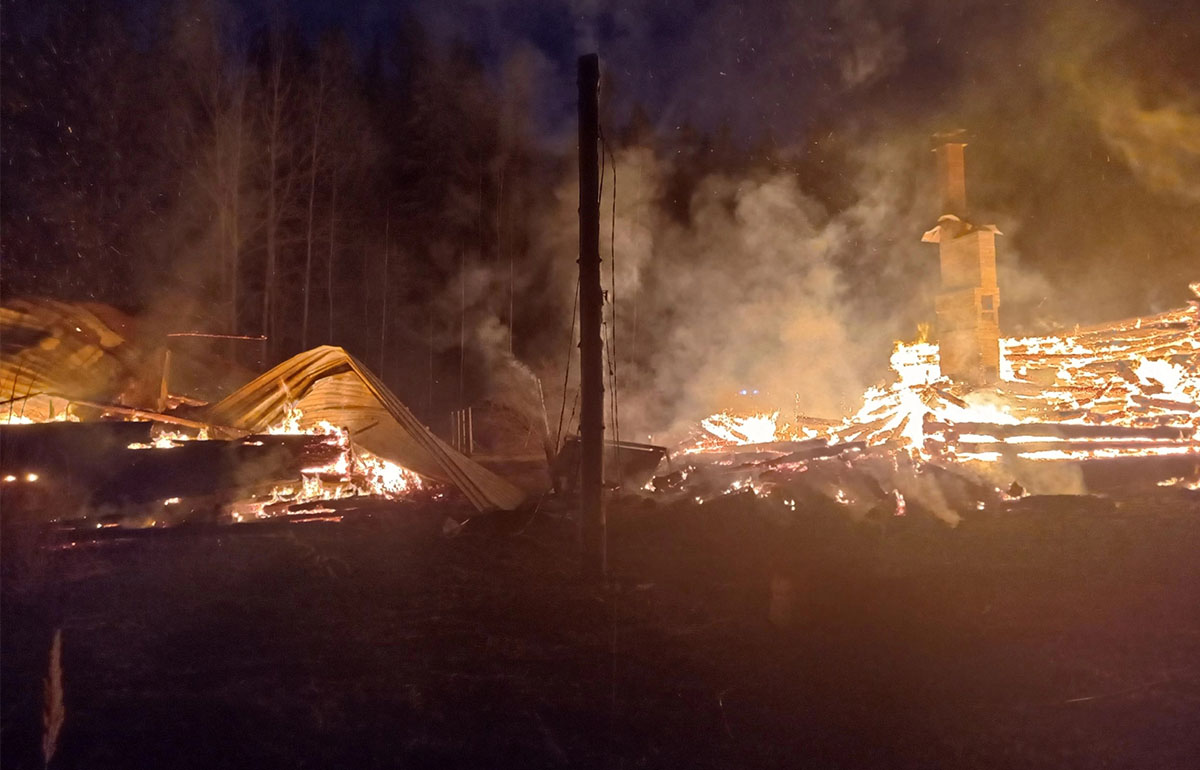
(52, 351)
(329, 384)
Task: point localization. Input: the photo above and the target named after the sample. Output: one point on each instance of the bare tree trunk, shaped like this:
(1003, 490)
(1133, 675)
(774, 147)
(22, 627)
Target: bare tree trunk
(235, 234)
(312, 194)
(276, 198)
(214, 154)
(481, 219)
(500, 251)
(268, 309)
(462, 331)
(332, 247)
(429, 390)
(387, 244)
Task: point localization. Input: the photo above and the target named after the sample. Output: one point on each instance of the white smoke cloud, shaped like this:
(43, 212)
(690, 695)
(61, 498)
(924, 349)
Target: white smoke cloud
(760, 286)
(870, 49)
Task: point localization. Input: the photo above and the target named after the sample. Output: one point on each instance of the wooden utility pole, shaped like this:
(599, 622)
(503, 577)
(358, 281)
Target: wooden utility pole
(591, 415)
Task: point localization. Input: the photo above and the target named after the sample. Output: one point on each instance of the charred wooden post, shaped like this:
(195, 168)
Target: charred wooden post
(591, 420)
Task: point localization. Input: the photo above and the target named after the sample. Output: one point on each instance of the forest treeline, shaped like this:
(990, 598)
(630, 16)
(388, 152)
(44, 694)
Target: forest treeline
(249, 181)
(210, 173)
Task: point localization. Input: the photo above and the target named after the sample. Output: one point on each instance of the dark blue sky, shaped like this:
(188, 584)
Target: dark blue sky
(1081, 115)
(783, 66)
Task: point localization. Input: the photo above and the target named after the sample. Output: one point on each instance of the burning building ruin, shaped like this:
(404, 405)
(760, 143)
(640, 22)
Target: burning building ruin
(1085, 411)
(1082, 411)
(84, 437)
(971, 410)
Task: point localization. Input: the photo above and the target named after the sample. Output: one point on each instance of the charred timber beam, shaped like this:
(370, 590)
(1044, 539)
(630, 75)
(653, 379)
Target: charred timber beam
(23, 443)
(1165, 403)
(780, 446)
(140, 414)
(1083, 445)
(817, 453)
(1061, 431)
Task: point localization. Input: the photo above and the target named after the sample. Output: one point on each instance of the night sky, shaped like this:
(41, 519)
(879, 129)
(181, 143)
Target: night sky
(1082, 115)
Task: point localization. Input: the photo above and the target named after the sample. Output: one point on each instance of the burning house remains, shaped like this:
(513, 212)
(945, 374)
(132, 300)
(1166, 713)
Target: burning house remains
(975, 417)
(360, 399)
(968, 420)
(1096, 410)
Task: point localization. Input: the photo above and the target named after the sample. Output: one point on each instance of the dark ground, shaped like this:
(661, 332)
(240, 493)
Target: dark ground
(1061, 632)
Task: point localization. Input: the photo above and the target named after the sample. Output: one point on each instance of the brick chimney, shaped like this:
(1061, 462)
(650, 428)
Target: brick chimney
(952, 181)
(968, 304)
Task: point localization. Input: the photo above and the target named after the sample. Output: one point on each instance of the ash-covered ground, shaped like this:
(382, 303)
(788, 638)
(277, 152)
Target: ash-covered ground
(1056, 632)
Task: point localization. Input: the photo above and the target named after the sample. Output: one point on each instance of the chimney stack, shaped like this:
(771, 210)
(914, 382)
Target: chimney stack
(952, 182)
(968, 328)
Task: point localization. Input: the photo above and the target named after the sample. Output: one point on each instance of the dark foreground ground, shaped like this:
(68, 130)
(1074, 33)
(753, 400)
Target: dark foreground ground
(1060, 633)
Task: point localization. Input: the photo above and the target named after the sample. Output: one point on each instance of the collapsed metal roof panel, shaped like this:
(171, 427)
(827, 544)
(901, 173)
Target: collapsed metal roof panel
(327, 383)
